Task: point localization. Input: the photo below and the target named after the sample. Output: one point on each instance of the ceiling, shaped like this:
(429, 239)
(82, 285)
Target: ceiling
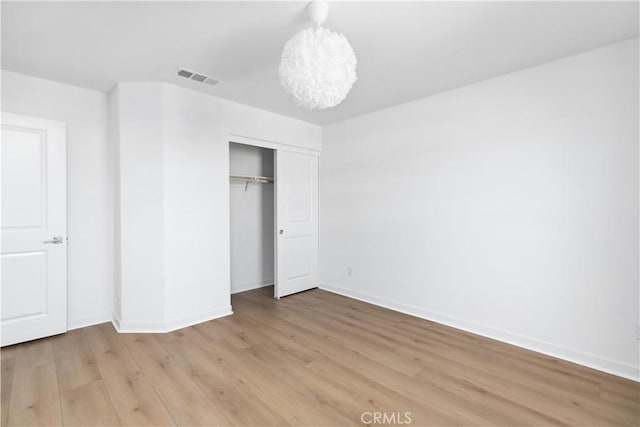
(405, 50)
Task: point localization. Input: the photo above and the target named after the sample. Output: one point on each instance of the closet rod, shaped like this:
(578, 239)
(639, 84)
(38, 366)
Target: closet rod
(247, 178)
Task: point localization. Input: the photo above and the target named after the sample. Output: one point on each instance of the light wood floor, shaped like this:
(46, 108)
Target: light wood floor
(310, 359)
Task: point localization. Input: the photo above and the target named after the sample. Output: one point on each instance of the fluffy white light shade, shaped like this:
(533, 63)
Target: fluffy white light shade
(318, 68)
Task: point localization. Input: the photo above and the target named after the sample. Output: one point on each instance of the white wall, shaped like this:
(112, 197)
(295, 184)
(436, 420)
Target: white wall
(170, 216)
(174, 172)
(89, 199)
(252, 219)
(140, 215)
(508, 208)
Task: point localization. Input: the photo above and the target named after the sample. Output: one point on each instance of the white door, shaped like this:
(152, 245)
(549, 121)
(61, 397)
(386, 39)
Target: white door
(296, 222)
(33, 257)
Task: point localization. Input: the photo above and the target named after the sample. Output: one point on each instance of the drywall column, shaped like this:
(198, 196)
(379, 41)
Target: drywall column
(138, 139)
(172, 213)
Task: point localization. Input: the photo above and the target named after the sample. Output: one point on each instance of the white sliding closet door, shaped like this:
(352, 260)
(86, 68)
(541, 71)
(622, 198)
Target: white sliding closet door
(296, 222)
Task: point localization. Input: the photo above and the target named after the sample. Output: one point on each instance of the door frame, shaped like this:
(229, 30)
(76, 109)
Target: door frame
(275, 146)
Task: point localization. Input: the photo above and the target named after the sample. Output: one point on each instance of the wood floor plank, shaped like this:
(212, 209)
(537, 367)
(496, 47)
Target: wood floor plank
(313, 359)
(567, 379)
(568, 413)
(76, 364)
(35, 400)
(88, 405)
(286, 337)
(357, 340)
(331, 395)
(343, 355)
(205, 412)
(368, 367)
(7, 384)
(375, 397)
(171, 383)
(8, 352)
(226, 396)
(221, 330)
(449, 399)
(565, 390)
(561, 389)
(535, 369)
(134, 399)
(297, 404)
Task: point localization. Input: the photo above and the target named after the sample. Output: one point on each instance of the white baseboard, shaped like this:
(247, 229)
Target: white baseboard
(137, 327)
(249, 286)
(88, 321)
(170, 325)
(589, 360)
(194, 319)
(115, 321)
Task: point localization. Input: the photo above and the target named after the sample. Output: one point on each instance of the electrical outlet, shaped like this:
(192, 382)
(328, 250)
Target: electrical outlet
(349, 271)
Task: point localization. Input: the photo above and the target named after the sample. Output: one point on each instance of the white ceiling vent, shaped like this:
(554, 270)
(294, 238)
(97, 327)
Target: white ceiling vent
(197, 77)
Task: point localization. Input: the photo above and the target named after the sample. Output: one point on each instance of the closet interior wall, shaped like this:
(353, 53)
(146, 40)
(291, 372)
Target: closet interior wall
(252, 219)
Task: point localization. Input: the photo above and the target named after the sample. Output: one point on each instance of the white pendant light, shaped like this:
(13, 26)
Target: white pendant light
(318, 66)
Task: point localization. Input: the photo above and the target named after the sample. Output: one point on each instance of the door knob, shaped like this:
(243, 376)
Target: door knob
(281, 231)
(56, 240)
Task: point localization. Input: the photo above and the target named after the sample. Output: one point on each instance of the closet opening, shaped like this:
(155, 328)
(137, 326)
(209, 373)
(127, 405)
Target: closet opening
(252, 218)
